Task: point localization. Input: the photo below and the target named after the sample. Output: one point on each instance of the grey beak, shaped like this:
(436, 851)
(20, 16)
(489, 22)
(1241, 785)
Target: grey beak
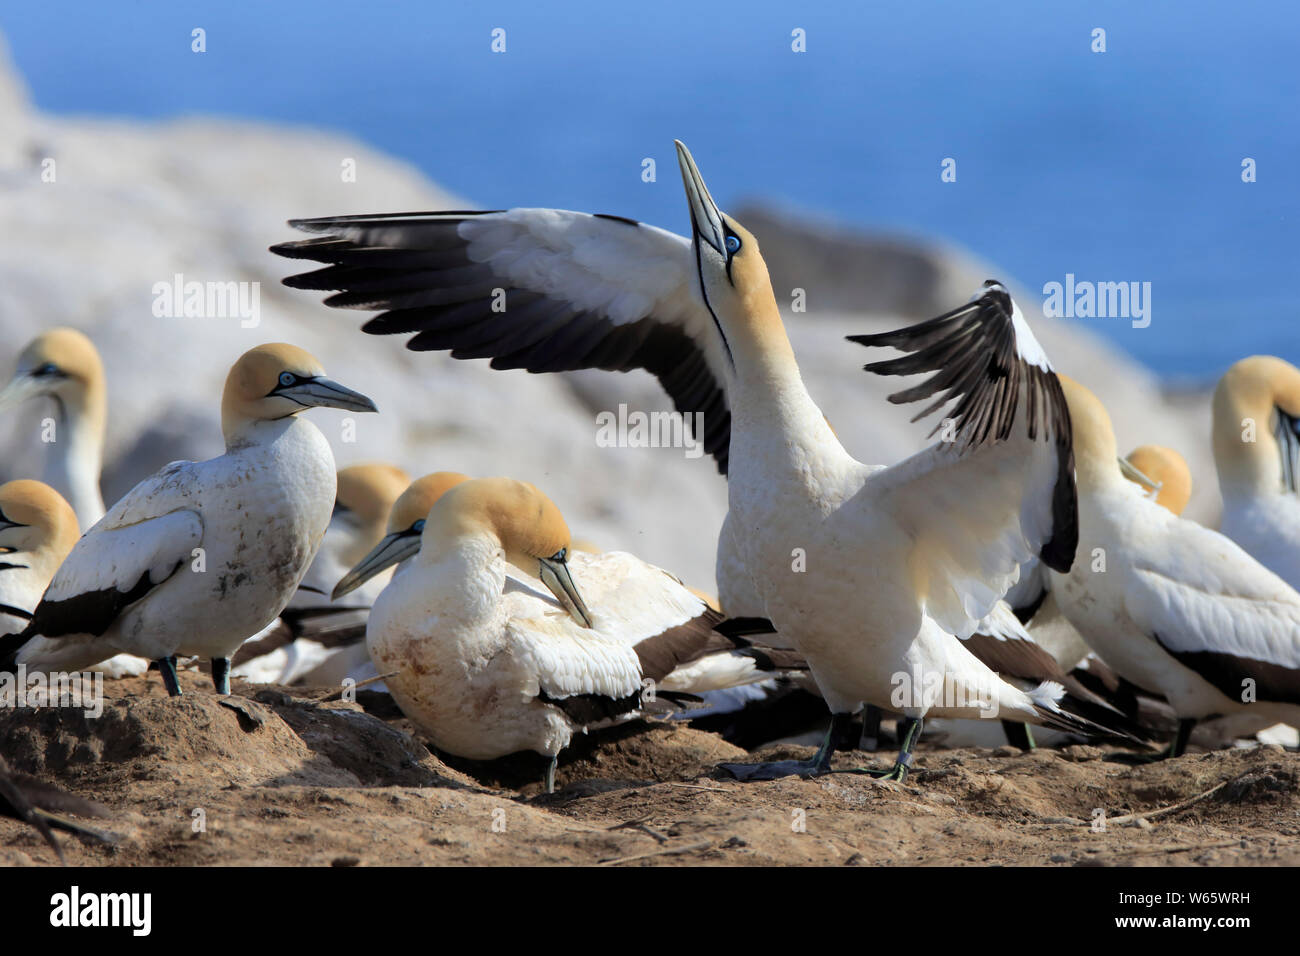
(327, 393)
(555, 575)
(1129, 471)
(706, 219)
(20, 388)
(394, 549)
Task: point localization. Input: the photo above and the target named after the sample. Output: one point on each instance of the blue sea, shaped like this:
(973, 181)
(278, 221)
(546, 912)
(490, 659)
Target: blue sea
(1123, 165)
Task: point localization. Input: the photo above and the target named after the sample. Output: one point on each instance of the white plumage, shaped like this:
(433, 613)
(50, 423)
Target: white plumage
(63, 364)
(202, 555)
(488, 662)
(1257, 454)
(944, 531)
(1172, 606)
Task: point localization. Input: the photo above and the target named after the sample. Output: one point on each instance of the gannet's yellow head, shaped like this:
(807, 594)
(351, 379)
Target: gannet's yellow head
(1096, 461)
(1257, 425)
(528, 525)
(733, 276)
(277, 380)
(369, 489)
(365, 497)
(1162, 470)
(35, 518)
(405, 525)
(61, 363)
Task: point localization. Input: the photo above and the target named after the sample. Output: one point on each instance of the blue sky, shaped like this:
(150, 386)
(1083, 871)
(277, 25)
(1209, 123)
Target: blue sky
(1115, 166)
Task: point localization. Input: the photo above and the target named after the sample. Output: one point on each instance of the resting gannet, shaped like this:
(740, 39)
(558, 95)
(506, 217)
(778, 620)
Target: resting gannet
(202, 555)
(317, 640)
(63, 365)
(37, 530)
(1162, 472)
(1171, 606)
(946, 530)
(1257, 454)
(486, 664)
(402, 540)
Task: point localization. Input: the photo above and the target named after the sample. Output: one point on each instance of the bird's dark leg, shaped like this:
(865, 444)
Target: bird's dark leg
(909, 732)
(1179, 745)
(870, 738)
(221, 674)
(1019, 735)
(550, 773)
(820, 763)
(167, 667)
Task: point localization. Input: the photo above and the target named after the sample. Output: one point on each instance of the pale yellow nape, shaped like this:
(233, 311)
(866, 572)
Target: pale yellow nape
(413, 504)
(1095, 457)
(369, 489)
(1245, 449)
(40, 507)
(67, 349)
(526, 522)
(255, 376)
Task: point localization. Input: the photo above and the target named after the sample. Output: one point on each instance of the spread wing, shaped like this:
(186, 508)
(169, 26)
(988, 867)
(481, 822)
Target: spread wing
(998, 488)
(545, 290)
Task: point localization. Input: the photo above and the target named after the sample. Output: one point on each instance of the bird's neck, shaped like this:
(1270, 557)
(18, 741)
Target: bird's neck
(77, 453)
(466, 572)
(771, 410)
(241, 432)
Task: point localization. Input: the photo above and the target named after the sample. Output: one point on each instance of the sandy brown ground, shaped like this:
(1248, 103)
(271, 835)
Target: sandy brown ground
(283, 779)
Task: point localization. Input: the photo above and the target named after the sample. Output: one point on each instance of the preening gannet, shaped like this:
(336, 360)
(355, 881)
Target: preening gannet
(946, 530)
(1257, 454)
(316, 639)
(203, 554)
(487, 664)
(1171, 606)
(1163, 473)
(37, 530)
(63, 365)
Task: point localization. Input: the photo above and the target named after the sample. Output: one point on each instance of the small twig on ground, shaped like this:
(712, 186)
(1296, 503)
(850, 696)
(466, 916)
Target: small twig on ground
(338, 694)
(1132, 818)
(667, 851)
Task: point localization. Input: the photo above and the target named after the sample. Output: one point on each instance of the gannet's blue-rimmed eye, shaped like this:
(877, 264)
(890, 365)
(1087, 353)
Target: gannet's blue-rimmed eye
(560, 555)
(733, 245)
(49, 368)
(286, 379)
(418, 526)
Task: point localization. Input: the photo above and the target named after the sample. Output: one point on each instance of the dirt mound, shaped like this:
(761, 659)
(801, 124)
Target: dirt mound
(276, 776)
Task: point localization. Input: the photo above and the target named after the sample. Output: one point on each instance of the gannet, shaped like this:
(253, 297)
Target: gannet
(946, 530)
(37, 530)
(1163, 472)
(488, 665)
(202, 555)
(318, 640)
(1168, 479)
(1171, 606)
(63, 365)
(43, 806)
(1257, 454)
(401, 540)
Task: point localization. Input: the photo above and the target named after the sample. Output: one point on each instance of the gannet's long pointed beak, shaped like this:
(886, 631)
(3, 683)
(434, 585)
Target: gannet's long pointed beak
(555, 575)
(393, 549)
(1133, 473)
(326, 393)
(20, 388)
(706, 219)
